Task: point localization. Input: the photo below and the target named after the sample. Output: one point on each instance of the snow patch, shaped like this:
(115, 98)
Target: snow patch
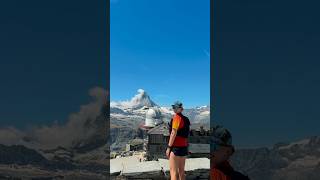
(302, 142)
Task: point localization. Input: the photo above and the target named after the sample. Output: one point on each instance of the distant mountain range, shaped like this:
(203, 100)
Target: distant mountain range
(135, 110)
(128, 116)
(285, 161)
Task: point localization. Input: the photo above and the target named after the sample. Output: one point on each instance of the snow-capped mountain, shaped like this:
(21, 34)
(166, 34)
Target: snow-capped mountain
(127, 116)
(199, 115)
(285, 161)
(135, 110)
(142, 99)
(140, 103)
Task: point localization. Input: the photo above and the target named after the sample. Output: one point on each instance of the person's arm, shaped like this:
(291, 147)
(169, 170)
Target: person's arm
(171, 140)
(172, 137)
(175, 126)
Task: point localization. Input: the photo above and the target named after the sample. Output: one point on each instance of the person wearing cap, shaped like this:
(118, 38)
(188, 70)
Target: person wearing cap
(222, 150)
(177, 150)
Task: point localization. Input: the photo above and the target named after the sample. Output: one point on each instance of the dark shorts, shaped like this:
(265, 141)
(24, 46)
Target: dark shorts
(180, 151)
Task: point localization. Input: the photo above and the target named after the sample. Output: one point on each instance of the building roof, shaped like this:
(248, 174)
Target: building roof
(135, 142)
(160, 129)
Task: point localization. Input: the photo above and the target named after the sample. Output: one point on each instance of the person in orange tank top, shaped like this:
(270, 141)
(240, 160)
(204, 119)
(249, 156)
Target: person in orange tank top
(178, 143)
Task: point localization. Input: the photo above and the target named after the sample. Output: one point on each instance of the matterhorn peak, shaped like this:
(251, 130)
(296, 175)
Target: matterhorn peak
(140, 100)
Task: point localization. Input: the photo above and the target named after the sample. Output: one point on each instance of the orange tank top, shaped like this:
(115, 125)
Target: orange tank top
(178, 123)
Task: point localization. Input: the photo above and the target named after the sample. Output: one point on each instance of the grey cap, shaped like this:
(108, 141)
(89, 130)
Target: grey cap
(176, 105)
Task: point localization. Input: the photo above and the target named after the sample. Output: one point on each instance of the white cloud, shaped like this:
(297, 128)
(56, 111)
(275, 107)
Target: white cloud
(51, 136)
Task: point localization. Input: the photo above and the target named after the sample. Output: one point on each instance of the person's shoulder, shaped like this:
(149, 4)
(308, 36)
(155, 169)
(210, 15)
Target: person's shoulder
(176, 117)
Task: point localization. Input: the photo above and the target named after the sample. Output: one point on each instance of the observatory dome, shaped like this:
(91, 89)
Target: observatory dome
(153, 117)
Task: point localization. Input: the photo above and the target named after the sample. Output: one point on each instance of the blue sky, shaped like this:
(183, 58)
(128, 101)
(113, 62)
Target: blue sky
(52, 53)
(162, 47)
(267, 70)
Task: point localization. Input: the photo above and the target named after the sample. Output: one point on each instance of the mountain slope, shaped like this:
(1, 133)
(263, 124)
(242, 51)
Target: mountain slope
(298, 160)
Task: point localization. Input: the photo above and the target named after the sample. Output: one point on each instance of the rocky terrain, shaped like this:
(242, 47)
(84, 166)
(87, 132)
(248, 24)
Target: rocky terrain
(285, 161)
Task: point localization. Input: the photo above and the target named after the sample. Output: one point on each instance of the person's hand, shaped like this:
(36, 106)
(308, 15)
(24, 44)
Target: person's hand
(168, 152)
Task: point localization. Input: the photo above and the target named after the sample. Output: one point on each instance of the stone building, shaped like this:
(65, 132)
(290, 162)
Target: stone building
(153, 119)
(200, 136)
(135, 145)
(199, 142)
(158, 138)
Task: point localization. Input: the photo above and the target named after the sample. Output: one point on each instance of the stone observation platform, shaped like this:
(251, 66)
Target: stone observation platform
(132, 168)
